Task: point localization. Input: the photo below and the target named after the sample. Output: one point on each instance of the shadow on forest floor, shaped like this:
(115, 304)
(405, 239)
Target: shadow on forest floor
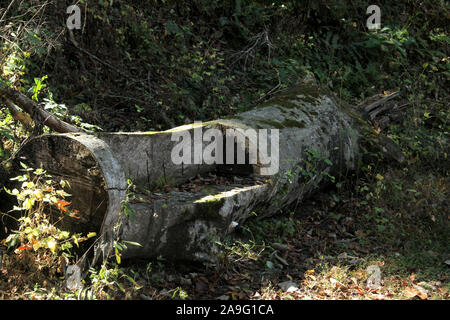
(324, 248)
(328, 249)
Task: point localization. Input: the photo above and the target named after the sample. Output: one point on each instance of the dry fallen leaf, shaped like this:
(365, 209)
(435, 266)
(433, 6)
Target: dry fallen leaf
(412, 293)
(423, 293)
(336, 283)
(61, 204)
(375, 296)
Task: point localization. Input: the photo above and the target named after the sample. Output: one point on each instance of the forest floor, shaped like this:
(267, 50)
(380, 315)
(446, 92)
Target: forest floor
(325, 249)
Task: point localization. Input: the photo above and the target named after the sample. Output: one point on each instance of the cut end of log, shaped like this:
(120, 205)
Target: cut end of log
(96, 184)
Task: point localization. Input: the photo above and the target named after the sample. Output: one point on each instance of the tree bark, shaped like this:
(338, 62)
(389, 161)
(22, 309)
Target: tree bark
(318, 139)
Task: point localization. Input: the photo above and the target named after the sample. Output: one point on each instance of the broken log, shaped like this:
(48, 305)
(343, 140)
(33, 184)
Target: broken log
(312, 139)
(318, 139)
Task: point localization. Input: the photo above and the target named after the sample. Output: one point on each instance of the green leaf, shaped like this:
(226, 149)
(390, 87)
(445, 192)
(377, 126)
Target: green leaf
(172, 27)
(64, 235)
(66, 246)
(39, 172)
(133, 243)
(379, 210)
(118, 246)
(269, 264)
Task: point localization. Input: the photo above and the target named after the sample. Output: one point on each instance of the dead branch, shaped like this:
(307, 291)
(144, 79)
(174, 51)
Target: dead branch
(373, 106)
(259, 40)
(38, 115)
(17, 115)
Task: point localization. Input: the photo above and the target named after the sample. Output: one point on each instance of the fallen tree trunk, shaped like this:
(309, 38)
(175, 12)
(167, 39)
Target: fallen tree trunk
(317, 140)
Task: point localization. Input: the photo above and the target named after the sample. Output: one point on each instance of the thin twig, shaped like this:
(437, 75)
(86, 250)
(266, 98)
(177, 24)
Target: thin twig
(271, 91)
(6, 11)
(256, 41)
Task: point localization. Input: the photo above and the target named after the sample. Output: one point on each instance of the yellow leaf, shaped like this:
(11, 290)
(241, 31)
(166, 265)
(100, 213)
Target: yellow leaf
(118, 256)
(51, 244)
(38, 194)
(37, 245)
(75, 240)
(28, 204)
